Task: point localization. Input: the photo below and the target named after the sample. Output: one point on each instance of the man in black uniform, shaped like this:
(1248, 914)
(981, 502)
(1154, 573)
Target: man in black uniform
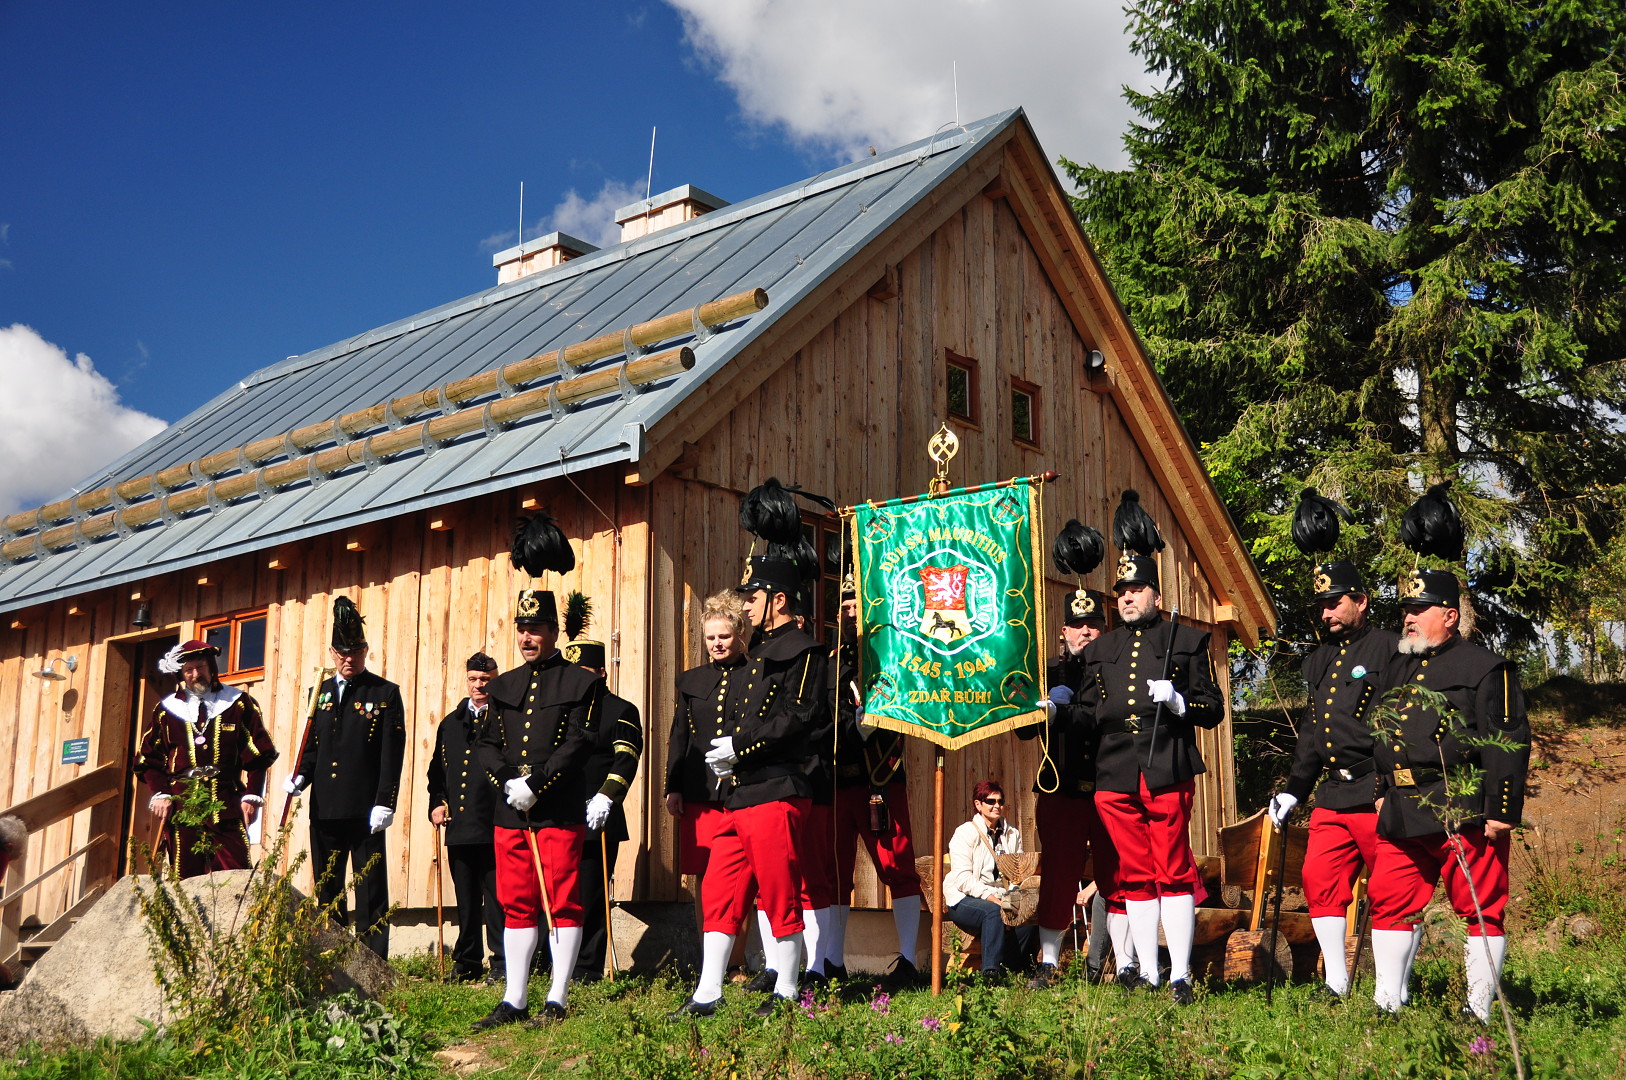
(1415, 850)
(352, 761)
(534, 748)
(1070, 830)
(1146, 808)
(461, 801)
(1343, 678)
(617, 741)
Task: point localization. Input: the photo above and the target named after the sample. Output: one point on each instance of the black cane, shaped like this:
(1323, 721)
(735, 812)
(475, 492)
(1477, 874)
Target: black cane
(1157, 714)
(1276, 915)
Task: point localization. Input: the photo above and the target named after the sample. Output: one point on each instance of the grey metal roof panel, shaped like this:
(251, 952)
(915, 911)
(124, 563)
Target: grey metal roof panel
(787, 242)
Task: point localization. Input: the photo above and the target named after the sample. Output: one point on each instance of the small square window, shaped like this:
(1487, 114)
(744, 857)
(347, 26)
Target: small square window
(1025, 412)
(960, 384)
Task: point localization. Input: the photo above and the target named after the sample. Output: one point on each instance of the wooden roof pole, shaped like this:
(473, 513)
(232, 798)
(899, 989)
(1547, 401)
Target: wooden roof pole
(519, 372)
(408, 437)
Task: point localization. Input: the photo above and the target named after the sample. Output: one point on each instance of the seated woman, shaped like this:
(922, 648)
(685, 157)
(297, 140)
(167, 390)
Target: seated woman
(971, 887)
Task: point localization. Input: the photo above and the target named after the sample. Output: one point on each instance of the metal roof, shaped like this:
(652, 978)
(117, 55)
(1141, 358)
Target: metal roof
(787, 242)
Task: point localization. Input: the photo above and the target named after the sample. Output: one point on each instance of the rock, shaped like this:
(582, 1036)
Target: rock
(463, 1059)
(1581, 928)
(98, 980)
(1552, 935)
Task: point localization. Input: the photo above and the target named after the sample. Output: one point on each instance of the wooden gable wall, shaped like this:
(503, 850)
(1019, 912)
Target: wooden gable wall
(849, 415)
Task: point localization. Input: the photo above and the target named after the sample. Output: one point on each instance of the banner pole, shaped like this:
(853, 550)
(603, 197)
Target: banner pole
(937, 875)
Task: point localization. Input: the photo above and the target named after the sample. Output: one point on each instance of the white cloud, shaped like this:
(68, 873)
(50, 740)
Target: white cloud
(591, 219)
(60, 420)
(840, 74)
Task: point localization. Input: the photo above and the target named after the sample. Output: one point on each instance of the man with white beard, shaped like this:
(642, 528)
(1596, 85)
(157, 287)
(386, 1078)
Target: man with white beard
(1422, 825)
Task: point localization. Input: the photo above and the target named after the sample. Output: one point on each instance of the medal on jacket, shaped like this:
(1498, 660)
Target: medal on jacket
(1359, 672)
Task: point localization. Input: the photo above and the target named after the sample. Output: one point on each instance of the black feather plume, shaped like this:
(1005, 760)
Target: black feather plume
(769, 511)
(822, 501)
(539, 545)
(802, 553)
(1432, 526)
(578, 613)
(1078, 548)
(1133, 528)
(1315, 522)
(348, 631)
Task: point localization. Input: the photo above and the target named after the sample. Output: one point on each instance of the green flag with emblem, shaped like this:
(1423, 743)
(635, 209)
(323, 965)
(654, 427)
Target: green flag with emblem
(950, 611)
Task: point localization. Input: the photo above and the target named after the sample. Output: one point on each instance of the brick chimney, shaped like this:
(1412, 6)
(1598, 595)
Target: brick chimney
(664, 210)
(538, 254)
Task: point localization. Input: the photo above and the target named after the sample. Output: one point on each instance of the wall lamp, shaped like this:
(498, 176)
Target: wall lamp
(50, 672)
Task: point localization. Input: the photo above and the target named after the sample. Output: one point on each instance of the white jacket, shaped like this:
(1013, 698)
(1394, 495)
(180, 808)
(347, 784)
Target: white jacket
(971, 868)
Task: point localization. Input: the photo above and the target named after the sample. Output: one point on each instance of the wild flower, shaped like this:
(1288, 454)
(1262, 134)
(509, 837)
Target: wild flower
(1483, 1046)
(931, 1023)
(882, 1003)
(895, 1040)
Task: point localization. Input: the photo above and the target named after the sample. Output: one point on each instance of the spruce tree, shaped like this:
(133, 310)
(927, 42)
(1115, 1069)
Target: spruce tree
(1374, 245)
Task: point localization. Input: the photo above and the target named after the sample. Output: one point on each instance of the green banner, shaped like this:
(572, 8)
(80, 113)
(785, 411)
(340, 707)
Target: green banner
(950, 611)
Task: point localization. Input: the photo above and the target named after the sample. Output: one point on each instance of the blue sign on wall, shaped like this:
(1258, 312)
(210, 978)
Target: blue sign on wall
(75, 751)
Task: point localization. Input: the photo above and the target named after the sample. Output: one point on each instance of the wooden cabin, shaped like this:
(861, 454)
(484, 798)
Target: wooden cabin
(819, 333)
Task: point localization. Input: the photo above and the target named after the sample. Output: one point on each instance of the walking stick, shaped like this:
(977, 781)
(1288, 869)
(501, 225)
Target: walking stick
(440, 909)
(609, 922)
(304, 739)
(542, 882)
(1157, 714)
(1276, 915)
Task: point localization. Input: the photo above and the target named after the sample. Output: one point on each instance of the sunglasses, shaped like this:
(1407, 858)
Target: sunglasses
(993, 802)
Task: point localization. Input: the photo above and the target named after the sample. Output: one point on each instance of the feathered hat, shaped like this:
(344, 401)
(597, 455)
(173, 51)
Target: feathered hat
(769, 513)
(1433, 527)
(349, 633)
(578, 614)
(1136, 536)
(1315, 530)
(1078, 550)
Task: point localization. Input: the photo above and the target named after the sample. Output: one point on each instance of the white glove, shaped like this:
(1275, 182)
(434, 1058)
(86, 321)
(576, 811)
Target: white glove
(721, 756)
(598, 811)
(520, 796)
(1163, 690)
(1280, 807)
(157, 803)
(1061, 695)
(380, 818)
(294, 784)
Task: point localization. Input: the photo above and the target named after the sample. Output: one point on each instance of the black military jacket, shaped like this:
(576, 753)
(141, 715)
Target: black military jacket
(1113, 699)
(784, 702)
(353, 756)
(617, 740)
(543, 713)
(456, 779)
(1344, 679)
(874, 762)
(1484, 689)
(1068, 765)
(705, 696)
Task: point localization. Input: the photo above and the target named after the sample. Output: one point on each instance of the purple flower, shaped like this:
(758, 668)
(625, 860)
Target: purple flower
(931, 1023)
(807, 998)
(896, 1040)
(1484, 1046)
(882, 1003)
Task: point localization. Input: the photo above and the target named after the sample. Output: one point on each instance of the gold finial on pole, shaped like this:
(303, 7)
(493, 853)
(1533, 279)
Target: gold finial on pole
(941, 448)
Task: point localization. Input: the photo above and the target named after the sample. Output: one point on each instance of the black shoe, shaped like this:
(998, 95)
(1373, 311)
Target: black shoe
(836, 972)
(770, 1007)
(504, 1013)
(902, 975)
(764, 982)
(1128, 977)
(1326, 995)
(1092, 975)
(1047, 976)
(1182, 992)
(816, 980)
(552, 1013)
(692, 1008)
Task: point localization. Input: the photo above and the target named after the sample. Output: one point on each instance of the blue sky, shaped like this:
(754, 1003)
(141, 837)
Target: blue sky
(192, 191)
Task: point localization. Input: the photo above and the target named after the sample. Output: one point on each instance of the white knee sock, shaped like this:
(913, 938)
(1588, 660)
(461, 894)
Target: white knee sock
(1123, 943)
(765, 932)
(1179, 927)
(789, 957)
(1329, 931)
(906, 917)
(812, 937)
(1143, 918)
(1390, 949)
(518, 946)
(715, 949)
(565, 943)
(1411, 959)
(1482, 971)
(1050, 946)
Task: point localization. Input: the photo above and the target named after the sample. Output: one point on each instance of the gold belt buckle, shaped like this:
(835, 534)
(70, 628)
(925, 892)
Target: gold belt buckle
(1132, 725)
(1403, 778)
(525, 771)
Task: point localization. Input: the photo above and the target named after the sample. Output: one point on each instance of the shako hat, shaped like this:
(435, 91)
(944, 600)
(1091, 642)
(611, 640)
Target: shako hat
(1438, 588)
(578, 614)
(1138, 538)
(1335, 579)
(349, 633)
(1085, 605)
(1136, 570)
(535, 606)
(772, 574)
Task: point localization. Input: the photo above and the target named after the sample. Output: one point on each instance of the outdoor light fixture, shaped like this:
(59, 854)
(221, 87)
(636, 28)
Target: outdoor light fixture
(143, 616)
(49, 670)
(1094, 362)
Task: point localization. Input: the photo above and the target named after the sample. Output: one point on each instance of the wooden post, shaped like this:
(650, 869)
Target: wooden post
(937, 873)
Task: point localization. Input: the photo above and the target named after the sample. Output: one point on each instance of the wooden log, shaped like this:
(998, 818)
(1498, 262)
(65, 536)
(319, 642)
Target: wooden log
(517, 373)
(441, 428)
